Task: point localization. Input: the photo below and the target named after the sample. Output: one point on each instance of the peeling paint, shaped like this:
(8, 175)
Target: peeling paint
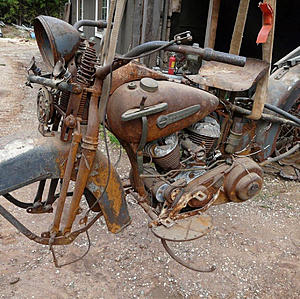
(16, 148)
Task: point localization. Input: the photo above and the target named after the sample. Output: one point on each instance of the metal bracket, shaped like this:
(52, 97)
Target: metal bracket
(165, 120)
(142, 143)
(284, 70)
(138, 113)
(186, 35)
(287, 65)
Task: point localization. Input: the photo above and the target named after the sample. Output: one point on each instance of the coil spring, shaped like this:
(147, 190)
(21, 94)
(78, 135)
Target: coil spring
(65, 96)
(82, 45)
(86, 75)
(64, 100)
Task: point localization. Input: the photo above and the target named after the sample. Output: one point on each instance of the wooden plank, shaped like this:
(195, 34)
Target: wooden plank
(89, 13)
(212, 23)
(74, 11)
(262, 86)
(237, 36)
(125, 33)
(268, 46)
(152, 23)
(165, 20)
(156, 29)
(67, 12)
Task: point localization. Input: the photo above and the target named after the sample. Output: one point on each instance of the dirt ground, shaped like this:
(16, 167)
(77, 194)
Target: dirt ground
(255, 245)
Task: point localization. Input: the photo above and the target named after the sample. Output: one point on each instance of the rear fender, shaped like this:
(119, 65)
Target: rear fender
(283, 92)
(28, 159)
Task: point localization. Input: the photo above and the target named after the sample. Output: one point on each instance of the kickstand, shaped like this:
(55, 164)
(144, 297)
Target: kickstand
(55, 261)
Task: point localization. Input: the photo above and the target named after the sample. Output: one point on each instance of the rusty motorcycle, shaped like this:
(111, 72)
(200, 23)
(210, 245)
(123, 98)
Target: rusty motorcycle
(192, 141)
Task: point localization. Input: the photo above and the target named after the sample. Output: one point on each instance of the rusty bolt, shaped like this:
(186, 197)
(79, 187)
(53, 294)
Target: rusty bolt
(92, 41)
(82, 36)
(70, 121)
(131, 85)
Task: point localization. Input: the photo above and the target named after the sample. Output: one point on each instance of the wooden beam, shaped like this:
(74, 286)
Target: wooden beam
(262, 86)
(212, 22)
(239, 27)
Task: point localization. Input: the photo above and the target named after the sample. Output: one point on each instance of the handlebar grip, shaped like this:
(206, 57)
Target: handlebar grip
(210, 54)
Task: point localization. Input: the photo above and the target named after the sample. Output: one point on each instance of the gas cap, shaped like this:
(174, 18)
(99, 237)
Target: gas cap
(149, 84)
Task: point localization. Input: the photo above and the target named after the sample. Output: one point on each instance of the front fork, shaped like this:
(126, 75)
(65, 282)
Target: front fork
(89, 147)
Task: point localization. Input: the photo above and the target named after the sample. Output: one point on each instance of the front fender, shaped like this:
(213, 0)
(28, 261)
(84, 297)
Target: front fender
(28, 159)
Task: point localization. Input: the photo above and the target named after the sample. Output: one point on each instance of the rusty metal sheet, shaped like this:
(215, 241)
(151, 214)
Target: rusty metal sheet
(131, 72)
(185, 229)
(230, 77)
(112, 202)
(25, 159)
(177, 96)
(282, 93)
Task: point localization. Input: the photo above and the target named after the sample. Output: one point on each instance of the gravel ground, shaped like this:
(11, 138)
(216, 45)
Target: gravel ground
(255, 245)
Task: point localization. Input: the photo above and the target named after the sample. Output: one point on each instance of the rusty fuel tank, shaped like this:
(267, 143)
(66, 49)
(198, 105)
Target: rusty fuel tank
(168, 106)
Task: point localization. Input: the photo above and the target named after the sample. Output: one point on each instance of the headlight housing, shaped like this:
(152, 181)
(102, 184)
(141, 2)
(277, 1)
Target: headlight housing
(56, 39)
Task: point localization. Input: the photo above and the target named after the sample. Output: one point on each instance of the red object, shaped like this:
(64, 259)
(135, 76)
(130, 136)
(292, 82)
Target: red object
(172, 62)
(268, 17)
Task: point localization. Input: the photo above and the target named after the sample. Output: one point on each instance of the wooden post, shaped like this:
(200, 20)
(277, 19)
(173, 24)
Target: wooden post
(212, 22)
(150, 27)
(262, 86)
(239, 27)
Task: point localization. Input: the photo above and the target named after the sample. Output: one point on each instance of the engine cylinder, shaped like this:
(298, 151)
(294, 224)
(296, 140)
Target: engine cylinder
(167, 155)
(207, 131)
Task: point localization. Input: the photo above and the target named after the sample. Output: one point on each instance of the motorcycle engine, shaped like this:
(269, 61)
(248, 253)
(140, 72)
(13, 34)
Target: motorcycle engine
(181, 157)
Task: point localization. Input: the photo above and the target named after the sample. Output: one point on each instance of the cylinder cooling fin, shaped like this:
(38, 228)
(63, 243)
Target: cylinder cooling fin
(206, 131)
(165, 152)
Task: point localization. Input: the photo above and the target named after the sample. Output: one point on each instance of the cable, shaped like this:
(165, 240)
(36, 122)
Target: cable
(182, 262)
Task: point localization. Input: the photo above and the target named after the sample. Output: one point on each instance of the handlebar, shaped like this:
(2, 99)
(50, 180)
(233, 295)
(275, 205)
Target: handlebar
(100, 24)
(63, 86)
(205, 54)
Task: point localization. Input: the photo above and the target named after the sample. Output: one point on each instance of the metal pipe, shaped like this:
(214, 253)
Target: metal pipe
(63, 86)
(100, 24)
(206, 54)
(283, 113)
(291, 55)
(284, 155)
(66, 181)
(266, 117)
